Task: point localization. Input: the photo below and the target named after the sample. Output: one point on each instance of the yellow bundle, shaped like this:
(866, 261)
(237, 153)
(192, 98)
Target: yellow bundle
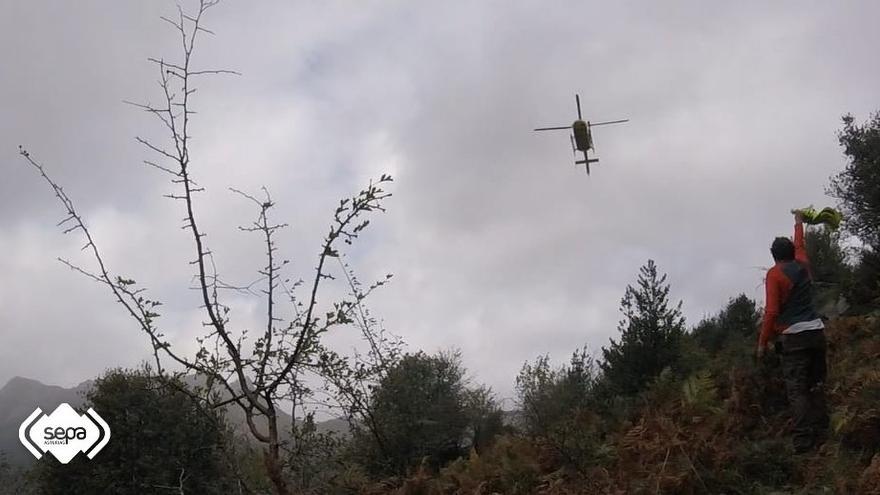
(827, 216)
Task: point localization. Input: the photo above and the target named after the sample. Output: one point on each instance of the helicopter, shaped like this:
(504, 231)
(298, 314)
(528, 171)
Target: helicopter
(581, 137)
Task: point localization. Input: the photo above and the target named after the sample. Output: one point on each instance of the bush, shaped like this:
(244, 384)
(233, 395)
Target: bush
(549, 396)
(559, 408)
(425, 414)
(15, 479)
(827, 257)
(862, 290)
(160, 438)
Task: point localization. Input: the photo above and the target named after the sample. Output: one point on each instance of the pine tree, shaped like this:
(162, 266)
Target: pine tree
(738, 320)
(650, 334)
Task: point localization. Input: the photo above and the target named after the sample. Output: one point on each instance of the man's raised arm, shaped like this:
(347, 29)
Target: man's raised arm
(800, 247)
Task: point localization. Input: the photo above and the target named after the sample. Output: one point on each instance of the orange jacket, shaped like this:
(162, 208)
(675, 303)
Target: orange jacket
(779, 286)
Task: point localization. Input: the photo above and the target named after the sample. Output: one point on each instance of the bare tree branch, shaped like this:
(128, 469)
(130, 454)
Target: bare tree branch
(276, 366)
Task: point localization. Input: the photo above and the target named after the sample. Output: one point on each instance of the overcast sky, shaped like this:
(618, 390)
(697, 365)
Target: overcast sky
(499, 245)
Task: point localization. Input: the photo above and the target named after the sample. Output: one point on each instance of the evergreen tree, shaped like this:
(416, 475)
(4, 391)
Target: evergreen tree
(650, 334)
(739, 319)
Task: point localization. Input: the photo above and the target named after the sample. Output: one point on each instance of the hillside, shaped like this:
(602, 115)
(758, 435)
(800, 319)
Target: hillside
(723, 430)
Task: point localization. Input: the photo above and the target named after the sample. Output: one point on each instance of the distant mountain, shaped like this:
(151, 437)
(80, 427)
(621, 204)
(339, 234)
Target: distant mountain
(18, 399)
(20, 396)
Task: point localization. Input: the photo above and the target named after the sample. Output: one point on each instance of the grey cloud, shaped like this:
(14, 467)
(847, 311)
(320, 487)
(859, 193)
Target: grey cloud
(499, 245)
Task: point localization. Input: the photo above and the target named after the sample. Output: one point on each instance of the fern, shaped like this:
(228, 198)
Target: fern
(699, 393)
(840, 418)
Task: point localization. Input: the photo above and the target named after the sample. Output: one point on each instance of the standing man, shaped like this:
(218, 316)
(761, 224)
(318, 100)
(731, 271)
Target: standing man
(789, 315)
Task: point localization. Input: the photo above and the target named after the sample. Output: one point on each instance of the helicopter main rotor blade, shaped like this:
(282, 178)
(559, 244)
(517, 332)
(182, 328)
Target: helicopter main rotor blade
(577, 99)
(609, 122)
(553, 128)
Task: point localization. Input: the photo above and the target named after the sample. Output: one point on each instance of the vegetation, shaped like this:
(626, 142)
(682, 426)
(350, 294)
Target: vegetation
(738, 319)
(16, 479)
(857, 188)
(559, 409)
(858, 185)
(722, 429)
(650, 335)
(161, 440)
(426, 415)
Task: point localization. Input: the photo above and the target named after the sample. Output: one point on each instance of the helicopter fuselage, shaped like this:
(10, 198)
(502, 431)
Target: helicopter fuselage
(583, 139)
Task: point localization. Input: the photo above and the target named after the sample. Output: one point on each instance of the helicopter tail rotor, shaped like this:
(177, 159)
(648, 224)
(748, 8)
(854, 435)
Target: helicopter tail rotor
(586, 162)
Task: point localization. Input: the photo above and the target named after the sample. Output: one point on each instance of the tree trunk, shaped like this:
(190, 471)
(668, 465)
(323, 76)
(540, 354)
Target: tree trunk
(272, 457)
(273, 470)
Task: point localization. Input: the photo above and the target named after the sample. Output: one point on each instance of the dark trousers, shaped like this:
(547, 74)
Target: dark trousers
(804, 367)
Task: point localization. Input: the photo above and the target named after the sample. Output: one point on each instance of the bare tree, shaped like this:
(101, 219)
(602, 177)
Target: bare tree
(274, 369)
